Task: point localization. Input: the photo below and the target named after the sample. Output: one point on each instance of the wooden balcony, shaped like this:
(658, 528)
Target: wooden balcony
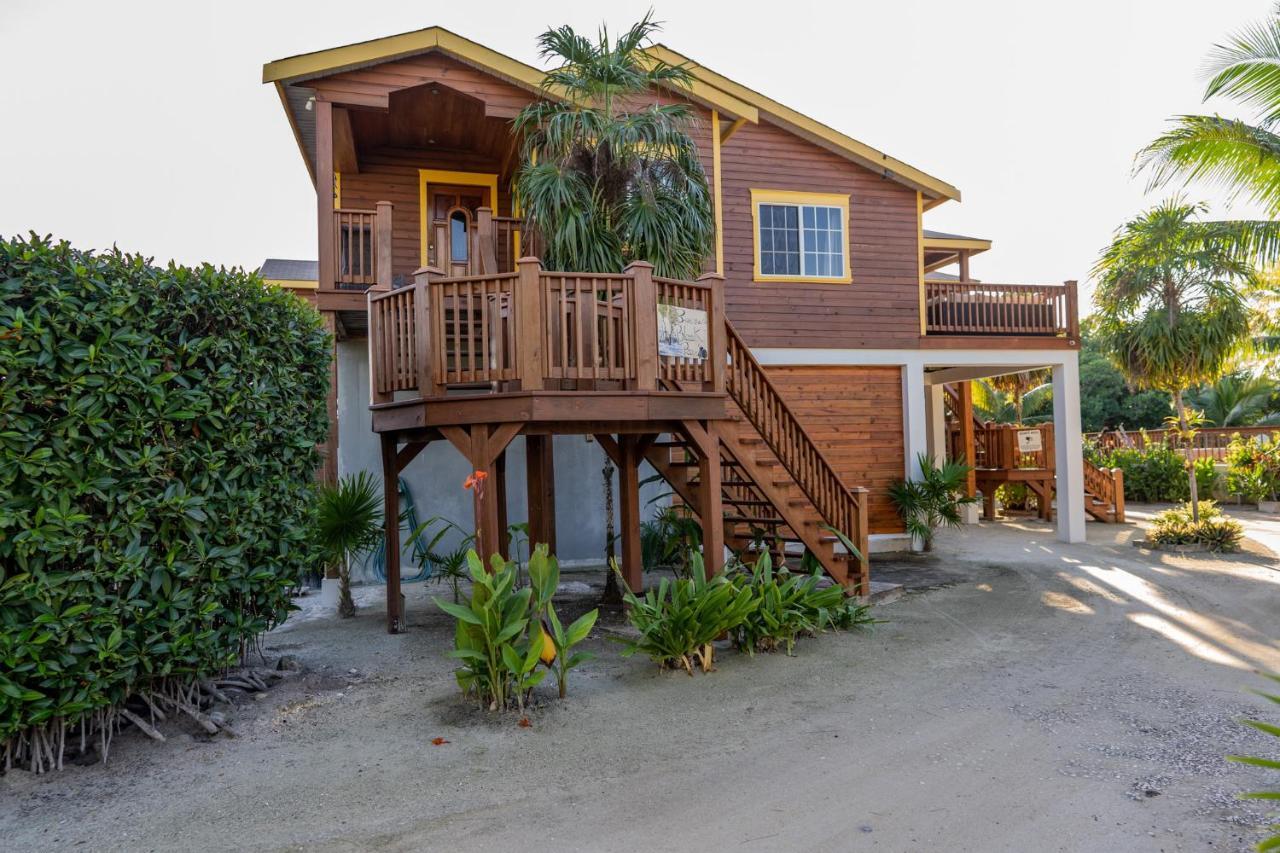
(968, 308)
(533, 345)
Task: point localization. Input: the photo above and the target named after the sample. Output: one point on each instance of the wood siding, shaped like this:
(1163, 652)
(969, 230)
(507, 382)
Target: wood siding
(855, 415)
(880, 308)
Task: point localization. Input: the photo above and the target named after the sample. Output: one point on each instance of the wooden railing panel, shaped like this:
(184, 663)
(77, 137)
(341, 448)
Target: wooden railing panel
(355, 244)
(474, 329)
(589, 334)
(979, 308)
(697, 296)
(1208, 442)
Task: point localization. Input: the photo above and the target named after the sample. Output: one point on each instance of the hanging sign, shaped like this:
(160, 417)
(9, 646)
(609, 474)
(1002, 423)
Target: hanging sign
(1029, 441)
(682, 332)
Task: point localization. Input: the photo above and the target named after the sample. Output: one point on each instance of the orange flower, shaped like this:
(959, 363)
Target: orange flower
(438, 741)
(477, 478)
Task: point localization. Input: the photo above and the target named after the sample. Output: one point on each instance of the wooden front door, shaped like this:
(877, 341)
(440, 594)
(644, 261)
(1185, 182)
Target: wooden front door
(451, 234)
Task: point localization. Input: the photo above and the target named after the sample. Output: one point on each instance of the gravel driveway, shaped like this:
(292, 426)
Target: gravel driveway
(1024, 696)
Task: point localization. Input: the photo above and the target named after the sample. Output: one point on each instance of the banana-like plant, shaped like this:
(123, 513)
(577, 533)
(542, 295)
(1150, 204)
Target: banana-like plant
(558, 641)
(1273, 842)
(499, 655)
(678, 621)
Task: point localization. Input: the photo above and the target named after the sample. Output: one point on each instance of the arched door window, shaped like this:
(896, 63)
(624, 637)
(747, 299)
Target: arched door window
(459, 235)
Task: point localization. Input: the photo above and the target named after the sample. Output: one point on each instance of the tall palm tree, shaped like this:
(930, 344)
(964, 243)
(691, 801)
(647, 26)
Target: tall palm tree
(1005, 399)
(1173, 297)
(605, 178)
(1235, 154)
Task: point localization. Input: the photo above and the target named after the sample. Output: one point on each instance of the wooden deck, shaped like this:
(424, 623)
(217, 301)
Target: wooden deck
(477, 360)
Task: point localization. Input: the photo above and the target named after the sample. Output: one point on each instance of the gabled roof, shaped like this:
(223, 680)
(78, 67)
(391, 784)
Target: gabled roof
(730, 99)
(290, 273)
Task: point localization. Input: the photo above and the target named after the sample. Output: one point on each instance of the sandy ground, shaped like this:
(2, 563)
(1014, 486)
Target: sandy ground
(1025, 695)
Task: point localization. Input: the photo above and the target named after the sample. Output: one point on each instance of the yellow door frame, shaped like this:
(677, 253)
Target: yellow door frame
(442, 176)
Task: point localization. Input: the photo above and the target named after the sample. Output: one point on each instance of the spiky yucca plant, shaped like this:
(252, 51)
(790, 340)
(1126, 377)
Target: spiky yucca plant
(933, 500)
(348, 523)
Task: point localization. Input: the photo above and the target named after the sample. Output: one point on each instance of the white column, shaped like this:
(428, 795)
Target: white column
(914, 421)
(1069, 449)
(935, 416)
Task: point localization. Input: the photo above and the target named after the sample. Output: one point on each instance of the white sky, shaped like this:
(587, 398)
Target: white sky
(146, 124)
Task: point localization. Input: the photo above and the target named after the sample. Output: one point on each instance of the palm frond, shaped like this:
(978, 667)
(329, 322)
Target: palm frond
(1247, 68)
(1232, 154)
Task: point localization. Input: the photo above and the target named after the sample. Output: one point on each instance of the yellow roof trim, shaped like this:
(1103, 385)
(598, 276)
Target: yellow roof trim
(860, 153)
(973, 243)
(322, 63)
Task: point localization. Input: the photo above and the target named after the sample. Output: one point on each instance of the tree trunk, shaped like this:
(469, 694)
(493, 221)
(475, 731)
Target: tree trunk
(1017, 407)
(612, 597)
(1183, 427)
(346, 604)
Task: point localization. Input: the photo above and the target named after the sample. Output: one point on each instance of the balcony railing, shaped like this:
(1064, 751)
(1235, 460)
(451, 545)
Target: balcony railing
(978, 308)
(537, 330)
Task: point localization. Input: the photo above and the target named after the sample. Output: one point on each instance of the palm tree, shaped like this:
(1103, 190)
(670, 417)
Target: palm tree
(1173, 296)
(1004, 399)
(603, 180)
(348, 523)
(1240, 156)
(1236, 399)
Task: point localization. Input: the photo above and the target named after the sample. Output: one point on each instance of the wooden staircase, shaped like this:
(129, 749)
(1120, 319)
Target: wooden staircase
(777, 488)
(1103, 487)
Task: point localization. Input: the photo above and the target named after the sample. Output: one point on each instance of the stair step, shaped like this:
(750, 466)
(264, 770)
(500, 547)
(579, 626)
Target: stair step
(745, 501)
(758, 519)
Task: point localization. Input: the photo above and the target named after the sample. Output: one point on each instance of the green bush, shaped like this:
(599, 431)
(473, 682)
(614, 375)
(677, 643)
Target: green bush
(1214, 530)
(1156, 473)
(791, 606)
(678, 620)
(1253, 467)
(157, 450)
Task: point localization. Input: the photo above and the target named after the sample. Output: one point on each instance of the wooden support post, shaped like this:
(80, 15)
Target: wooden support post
(645, 301)
(382, 260)
(329, 465)
(1073, 311)
(327, 255)
(964, 264)
(965, 417)
(530, 324)
(861, 567)
(482, 445)
(1117, 485)
(540, 480)
(391, 523)
(629, 509)
(716, 339)
(500, 497)
(710, 506)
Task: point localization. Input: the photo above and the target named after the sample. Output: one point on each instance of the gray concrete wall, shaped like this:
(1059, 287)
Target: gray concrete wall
(435, 477)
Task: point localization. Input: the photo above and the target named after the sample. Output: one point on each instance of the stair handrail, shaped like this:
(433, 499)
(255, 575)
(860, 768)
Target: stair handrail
(749, 386)
(1107, 484)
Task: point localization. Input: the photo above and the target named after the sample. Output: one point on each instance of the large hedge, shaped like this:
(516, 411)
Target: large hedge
(157, 448)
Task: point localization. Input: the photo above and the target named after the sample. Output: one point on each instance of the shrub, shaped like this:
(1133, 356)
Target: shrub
(500, 637)
(678, 620)
(791, 606)
(1253, 467)
(1273, 842)
(1153, 474)
(1214, 530)
(157, 450)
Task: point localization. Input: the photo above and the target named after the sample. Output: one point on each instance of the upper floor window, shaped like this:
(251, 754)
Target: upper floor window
(800, 236)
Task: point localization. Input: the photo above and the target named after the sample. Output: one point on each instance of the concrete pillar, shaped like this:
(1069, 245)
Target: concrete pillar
(1069, 449)
(935, 416)
(914, 421)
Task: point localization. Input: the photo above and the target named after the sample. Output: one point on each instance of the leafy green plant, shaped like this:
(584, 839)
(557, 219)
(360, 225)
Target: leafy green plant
(544, 576)
(933, 500)
(1272, 843)
(348, 523)
(1015, 496)
(447, 566)
(1209, 527)
(1156, 472)
(670, 540)
(499, 655)
(1253, 467)
(157, 459)
(603, 180)
(679, 619)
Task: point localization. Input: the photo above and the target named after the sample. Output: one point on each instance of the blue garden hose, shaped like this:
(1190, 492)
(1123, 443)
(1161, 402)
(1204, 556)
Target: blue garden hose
(409, 515)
